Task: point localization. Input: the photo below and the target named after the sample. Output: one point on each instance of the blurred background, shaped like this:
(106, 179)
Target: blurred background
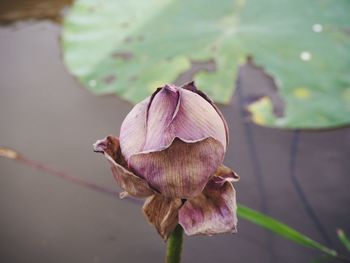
(297, 175)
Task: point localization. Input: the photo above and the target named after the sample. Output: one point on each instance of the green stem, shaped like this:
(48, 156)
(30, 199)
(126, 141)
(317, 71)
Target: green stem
(174, 246)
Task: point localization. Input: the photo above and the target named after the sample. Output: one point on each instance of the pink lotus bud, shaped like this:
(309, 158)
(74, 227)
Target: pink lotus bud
(171, 148)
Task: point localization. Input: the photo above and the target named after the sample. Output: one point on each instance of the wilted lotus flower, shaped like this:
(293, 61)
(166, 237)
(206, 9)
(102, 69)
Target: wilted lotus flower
(170, 150)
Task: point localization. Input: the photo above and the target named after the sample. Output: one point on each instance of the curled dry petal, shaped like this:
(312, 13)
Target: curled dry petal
(181, 170)
(162, 212)
(128, 181)
(211, 212)
(227, 173)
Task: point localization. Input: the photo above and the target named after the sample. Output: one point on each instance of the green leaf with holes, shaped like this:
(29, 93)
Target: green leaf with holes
(130, 48)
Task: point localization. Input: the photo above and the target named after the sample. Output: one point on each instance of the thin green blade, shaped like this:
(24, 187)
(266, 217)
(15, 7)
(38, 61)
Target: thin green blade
(281, 229)
(344, 239)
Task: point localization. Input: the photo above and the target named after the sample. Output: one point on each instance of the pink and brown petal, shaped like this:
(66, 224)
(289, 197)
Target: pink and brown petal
(128, 181)
(211, 212)
(181, 170)
(162, 212)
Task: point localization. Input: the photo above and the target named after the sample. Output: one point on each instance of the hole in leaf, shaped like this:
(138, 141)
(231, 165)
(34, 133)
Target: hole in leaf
(256, 84)
(196, 66)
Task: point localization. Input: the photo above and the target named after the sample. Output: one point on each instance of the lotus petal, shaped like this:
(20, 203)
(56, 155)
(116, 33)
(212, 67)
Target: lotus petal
(181, 170)
(192, 87)
(162, 212)
(176, 112)
(133, 129)
(163, 108)
(227, 173)
(197, 119)
(128, 181)
(211, 212)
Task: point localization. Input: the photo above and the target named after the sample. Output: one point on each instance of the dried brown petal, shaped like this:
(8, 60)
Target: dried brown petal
(211, 212)
(181, 170)
(131, 183)
(162, 212)
(227, 173)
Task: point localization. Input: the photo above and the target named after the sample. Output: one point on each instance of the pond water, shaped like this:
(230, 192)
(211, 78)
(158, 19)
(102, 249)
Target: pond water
(48, 116)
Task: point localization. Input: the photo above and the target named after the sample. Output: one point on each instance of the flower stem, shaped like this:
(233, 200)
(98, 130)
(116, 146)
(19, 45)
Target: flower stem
(174, 246)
